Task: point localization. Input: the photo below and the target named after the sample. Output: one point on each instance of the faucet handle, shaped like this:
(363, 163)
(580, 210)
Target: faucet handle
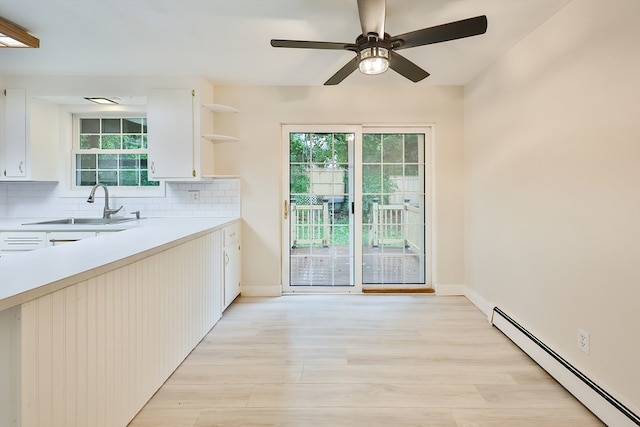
(109, 212)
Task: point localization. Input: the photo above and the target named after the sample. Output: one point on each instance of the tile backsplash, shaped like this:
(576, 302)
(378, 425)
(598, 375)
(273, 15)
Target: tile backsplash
(216, 198)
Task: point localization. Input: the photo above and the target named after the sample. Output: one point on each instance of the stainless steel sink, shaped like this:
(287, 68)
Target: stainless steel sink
(82, 221)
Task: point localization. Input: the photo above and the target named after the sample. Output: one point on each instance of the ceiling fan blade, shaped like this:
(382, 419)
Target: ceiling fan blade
(304, 44)
(408, 69)
(372, 16)
(343, 72)
(442, 33)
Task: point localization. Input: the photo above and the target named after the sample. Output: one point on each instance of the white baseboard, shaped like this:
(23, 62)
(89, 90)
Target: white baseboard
(470, 294)
(450, 290)
(261, 291)
(601, 403)
(611, 411)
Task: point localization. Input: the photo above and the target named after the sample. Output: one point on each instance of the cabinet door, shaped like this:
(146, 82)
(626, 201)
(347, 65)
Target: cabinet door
(231, 273)
(170, 121)
(15, 134)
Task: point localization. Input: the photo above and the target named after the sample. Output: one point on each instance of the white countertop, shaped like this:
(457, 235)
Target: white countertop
(26, 224)
(29, 275)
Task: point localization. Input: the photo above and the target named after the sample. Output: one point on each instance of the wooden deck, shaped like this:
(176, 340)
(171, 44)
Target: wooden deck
(317, 266)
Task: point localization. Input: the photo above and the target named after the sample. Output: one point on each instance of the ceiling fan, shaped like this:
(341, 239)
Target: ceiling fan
(376, 50)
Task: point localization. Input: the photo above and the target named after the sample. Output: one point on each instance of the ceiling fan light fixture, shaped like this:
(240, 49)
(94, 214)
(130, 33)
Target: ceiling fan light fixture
(374, 60)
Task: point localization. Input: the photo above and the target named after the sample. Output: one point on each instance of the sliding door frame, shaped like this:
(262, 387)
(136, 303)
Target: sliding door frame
(356, 217)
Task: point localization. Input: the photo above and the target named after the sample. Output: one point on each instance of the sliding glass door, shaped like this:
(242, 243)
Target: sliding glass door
(393, 209)
(348, 184)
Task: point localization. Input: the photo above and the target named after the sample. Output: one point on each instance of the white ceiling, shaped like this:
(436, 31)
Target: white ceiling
(227, 41)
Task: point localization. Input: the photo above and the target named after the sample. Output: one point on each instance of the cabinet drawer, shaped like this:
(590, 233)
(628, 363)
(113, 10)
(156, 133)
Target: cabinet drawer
(60, 237)
(22, 241)
(232, 234)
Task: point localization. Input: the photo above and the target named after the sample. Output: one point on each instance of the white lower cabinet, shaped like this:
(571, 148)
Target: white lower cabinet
(231, 263)
(14, 242)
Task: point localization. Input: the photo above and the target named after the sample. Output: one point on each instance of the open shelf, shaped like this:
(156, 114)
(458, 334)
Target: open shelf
(219, 138)
(219, 108)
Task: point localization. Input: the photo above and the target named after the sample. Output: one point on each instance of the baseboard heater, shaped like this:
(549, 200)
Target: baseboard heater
(606, 407)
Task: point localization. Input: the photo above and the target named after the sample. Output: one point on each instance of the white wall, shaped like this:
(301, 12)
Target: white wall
(256, 157)
(552, 147)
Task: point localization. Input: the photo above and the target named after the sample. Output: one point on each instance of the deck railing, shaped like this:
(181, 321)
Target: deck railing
(391, 225)
(395, 225)
(310, 224)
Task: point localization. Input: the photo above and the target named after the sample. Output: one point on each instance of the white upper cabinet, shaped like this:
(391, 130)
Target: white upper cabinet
(171, 131)
(181, 133)
(29, 149)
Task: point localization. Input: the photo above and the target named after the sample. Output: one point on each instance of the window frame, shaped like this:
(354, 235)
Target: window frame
(69, 187)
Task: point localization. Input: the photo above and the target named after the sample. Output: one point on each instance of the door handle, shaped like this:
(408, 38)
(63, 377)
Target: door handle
(286, 209)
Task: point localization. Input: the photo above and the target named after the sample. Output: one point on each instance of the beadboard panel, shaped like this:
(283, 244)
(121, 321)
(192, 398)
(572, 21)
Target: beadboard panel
(93, 353)
(10, 367)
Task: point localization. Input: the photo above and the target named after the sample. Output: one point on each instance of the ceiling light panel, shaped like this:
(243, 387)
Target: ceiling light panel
(13, 36)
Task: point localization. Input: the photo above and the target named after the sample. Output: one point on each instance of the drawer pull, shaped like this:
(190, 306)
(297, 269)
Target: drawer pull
(63, 240)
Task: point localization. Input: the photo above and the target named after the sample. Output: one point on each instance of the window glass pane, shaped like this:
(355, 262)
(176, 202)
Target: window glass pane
(129, 178)
(411, 148)
(299, 150)
(129, 161)
(393, 177)
(371, 148)
(108, 177)
(144, 180)
(111, 126)
(299, 179)
(341, 147)
(89, 141)
(85, 161)
(86, 178)
(321, 147)
(144, 141)
(411, 170)
(392, 149)
(371, 179)
(131, 142)
(131, 125)
(144, 124)
(111, 142)
(89, 125)
(107, 161)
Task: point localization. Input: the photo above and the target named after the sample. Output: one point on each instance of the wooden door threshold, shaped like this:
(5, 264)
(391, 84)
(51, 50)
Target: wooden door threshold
(399, 291)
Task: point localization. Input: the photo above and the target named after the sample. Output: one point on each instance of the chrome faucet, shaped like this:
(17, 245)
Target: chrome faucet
(107, 211)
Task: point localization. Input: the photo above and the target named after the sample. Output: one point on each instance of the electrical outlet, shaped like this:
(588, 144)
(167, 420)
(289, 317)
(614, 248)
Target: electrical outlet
(194, 195)
(583, 340)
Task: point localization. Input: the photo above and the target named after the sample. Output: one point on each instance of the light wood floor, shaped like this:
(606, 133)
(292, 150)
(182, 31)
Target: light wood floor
(359, 360)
